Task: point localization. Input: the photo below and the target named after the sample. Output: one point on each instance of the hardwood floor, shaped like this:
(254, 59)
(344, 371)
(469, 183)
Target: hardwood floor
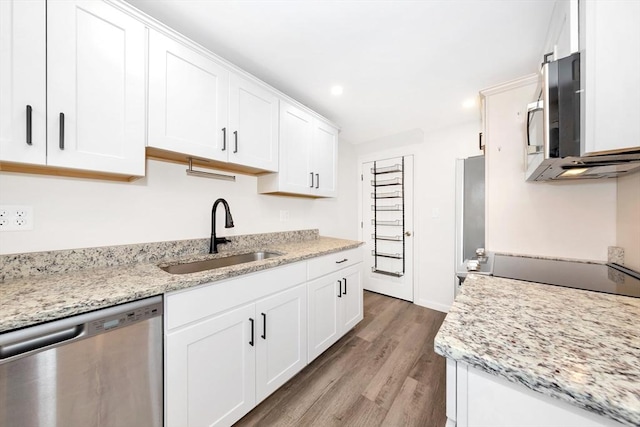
(382, 373)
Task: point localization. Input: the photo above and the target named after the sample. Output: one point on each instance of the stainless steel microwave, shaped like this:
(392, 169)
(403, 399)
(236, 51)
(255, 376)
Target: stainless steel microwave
(553, 148)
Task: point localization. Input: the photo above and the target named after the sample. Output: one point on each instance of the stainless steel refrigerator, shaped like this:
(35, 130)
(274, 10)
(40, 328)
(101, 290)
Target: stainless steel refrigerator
(470, 209)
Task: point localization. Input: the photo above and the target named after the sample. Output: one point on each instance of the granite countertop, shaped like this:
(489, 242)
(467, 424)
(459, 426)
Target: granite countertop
(40, 298)
(578, 346)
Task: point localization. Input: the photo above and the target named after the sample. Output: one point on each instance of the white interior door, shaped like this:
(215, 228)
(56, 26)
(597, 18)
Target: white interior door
(387, 226)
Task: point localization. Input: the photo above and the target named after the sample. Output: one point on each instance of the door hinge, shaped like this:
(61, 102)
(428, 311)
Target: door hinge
(361, 177)
(361, 224)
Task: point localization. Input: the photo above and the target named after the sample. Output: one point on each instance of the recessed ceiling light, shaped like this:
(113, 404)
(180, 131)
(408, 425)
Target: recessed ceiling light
(336, 90)
(469, 103)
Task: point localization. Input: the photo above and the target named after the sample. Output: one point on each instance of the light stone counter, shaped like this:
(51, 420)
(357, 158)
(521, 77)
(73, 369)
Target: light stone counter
(133, 273)
(578, 346)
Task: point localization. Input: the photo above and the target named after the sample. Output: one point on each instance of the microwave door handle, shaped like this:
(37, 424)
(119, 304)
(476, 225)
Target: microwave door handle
(531, 109)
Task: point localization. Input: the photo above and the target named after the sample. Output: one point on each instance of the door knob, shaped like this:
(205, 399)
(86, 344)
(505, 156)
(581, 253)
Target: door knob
(407, 233)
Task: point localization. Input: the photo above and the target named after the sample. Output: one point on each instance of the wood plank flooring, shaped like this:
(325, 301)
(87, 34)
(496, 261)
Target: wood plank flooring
(382, 373)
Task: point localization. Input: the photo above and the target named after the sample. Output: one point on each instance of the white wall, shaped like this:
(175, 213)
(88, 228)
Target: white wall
(434, 173)
(570, 220)
(165, 205)
(628, 219)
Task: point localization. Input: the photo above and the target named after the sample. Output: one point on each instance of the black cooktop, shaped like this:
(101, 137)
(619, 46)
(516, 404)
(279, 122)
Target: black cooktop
(571, 274)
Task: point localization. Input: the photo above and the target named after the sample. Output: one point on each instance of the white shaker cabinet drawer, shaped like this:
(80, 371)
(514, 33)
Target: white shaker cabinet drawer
(333, 262)
(190, 305)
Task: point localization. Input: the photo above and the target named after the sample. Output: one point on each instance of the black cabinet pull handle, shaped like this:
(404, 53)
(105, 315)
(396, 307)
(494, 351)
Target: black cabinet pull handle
(224, 139)
(235, 136)
(341, 261)
(345, 286)
(264, 326)
(252, 332)
(339, 288)
(311, 186)
(317, 180)
(29, 109)
(62, 131)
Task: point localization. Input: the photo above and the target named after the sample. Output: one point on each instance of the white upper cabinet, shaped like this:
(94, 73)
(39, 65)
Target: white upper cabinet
(95, 86)
(199, 108)
(295, 149)
(325, 159)
(610, 60)
(188, 100)
(562, 36)
(23, 82)
(253, 122)
(308, 156)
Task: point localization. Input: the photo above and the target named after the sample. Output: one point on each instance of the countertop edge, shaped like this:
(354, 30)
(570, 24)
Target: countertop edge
(170, 283)
(586, 401)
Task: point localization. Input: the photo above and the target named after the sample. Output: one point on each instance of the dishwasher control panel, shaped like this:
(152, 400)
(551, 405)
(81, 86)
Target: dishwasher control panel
(126, 318)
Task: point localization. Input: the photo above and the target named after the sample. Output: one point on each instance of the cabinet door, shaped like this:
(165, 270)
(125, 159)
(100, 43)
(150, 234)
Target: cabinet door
(253, 121)
(188, 100)
(96, 87)
(562, 34)
(351, 303)
(325, 158)
(488, 400)
(282, 339)
(210, 371)
(610, 102)
(295, 150)
(22, 81)
(324, 327)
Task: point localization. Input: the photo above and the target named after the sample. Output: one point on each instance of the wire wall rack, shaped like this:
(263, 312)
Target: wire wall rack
(393, 225)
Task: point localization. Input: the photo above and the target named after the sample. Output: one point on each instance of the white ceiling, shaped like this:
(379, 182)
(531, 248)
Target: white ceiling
(403, 64)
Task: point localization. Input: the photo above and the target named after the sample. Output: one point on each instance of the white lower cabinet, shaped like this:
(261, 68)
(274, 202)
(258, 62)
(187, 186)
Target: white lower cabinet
(478, 399)
(221, 365)
(211, 371)
(323, 315)
(232, 343)
(281, 339)
(335, 306)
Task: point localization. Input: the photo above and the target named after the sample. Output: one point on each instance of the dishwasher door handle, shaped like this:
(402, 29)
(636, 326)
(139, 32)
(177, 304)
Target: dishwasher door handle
(31, 344)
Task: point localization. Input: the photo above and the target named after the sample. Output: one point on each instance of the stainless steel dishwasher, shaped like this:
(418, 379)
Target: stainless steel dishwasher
(102, 368)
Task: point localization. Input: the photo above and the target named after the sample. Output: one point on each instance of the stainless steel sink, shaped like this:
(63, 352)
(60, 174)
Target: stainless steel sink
(210, 264)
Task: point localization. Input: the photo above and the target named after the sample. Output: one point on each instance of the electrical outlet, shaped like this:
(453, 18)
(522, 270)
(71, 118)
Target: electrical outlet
(16, 218)
(284, 216)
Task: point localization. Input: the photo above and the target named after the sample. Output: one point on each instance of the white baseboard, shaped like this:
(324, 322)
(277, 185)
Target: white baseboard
(433, 305)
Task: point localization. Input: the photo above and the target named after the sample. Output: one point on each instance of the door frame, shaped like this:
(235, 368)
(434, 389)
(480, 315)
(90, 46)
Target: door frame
(388, 154)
